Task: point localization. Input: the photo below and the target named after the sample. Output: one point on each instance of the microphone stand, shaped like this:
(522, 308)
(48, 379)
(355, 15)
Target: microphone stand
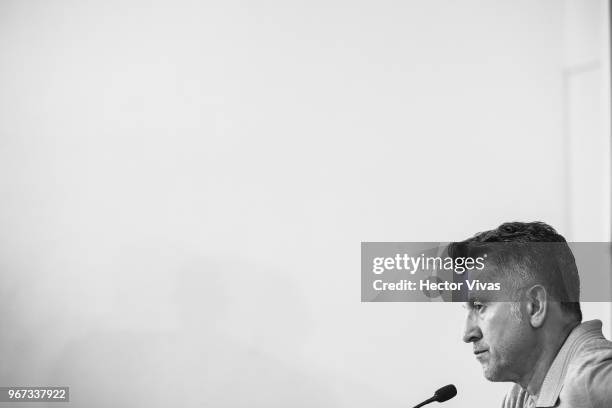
(427, 401)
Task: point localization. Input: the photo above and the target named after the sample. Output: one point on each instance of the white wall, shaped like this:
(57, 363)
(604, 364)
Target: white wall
(185, 186)
(586, 78)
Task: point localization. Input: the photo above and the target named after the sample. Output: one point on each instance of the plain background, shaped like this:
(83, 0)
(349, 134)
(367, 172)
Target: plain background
(184, 187)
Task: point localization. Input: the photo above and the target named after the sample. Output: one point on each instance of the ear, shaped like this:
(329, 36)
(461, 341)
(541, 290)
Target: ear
(537, 305)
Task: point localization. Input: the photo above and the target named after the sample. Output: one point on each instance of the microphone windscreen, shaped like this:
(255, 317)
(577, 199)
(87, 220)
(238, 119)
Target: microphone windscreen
(445, 393)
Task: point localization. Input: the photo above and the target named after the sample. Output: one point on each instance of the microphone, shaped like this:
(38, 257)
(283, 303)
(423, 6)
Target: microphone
(443, 394)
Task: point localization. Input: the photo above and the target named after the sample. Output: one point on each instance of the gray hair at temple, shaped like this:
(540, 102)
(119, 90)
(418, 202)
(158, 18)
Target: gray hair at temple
(529, 253)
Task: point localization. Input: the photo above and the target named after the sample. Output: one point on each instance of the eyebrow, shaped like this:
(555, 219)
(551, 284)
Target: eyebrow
(469, 304)
(476, 297)
(472, 297)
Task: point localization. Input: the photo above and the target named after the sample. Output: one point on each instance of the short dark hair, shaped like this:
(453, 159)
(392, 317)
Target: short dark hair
(532, 252)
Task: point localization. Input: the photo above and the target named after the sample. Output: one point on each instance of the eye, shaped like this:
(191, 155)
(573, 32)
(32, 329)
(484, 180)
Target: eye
(474, 305)
(478, 306)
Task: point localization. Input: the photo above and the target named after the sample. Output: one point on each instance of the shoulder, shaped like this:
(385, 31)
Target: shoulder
(589, 374)
(515, 398)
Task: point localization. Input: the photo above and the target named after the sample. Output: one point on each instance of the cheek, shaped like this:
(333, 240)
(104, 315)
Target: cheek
(502, 330)
(511, 338)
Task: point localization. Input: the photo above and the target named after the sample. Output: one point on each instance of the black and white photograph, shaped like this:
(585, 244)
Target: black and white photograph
(330, 204)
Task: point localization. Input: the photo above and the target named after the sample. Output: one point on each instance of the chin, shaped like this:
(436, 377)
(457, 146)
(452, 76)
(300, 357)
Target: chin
(492, 374)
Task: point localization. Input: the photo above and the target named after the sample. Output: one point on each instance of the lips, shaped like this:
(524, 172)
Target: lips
(479, 352)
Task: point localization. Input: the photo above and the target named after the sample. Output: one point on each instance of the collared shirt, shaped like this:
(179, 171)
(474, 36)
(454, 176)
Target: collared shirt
(579, 377)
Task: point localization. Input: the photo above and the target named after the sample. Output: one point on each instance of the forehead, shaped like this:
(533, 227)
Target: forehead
(488, 285)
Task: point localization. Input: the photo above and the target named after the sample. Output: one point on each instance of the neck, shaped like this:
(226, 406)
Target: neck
(551, 343)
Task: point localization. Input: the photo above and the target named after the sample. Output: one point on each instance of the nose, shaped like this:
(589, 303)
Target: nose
(471, 333)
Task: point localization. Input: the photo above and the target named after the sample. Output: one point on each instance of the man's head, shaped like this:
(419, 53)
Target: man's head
(538, 299)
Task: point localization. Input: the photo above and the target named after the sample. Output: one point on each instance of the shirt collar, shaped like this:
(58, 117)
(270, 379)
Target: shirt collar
(553, 382)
